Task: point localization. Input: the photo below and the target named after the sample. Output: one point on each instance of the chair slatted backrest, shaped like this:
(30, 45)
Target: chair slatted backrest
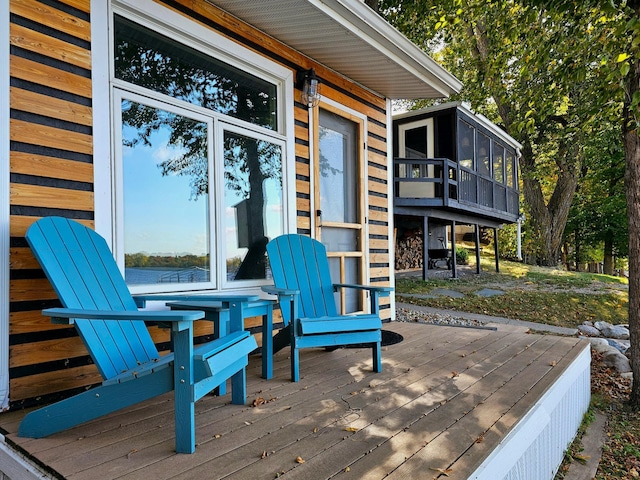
(299, 262)
(80, 267)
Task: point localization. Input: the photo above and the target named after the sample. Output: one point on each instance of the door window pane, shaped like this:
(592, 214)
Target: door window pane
(253, 203)
(165, 196)
(338, 169)
(151, 60)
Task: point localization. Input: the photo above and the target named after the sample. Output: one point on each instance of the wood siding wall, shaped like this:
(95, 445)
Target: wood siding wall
(52, 172)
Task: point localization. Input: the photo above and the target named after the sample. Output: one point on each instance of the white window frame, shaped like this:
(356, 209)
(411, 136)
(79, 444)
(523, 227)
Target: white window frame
(195, 35)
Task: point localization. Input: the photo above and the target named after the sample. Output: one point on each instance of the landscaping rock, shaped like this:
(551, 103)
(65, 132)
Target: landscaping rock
(447, 293)
(612, 331)
(617, 361)
(589, 330)
(489, 292)
(621, 345)
(600, 344)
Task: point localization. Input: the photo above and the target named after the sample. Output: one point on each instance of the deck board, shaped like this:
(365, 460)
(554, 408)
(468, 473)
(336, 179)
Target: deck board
(445, 399)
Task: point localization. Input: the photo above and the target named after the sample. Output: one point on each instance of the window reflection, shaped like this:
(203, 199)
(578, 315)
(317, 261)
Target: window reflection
(148, 59)
(165, 196)
(253, 201)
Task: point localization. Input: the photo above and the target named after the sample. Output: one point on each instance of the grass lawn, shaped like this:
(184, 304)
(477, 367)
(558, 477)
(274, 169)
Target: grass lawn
(535, 294)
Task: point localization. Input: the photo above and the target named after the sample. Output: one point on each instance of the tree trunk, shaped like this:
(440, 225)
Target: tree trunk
(608, 254)
(632, 187)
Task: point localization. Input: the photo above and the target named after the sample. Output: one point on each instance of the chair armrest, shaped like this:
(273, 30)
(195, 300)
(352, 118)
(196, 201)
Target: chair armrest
(67, 315)
(273, 290)
(381, 291)
(225, 300)
(376, 293)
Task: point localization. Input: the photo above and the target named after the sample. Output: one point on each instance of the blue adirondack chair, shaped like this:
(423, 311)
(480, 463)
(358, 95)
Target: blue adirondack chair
(300, 270)
(86, 278)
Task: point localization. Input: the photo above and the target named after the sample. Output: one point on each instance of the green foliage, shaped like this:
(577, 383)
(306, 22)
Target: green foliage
(534, 71)
(462, 256)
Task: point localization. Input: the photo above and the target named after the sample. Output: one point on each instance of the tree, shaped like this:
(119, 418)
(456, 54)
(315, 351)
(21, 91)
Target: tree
(624, 82)
(519, 68)
(598, 217)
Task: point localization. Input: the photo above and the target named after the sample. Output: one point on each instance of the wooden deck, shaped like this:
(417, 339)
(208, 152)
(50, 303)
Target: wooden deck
(447, 400)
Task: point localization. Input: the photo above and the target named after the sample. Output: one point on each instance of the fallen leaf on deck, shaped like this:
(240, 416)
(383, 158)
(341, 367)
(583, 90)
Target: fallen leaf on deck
(299, 460)
(553, 363)
(454, 374)
(443, 471)
(258, 401)
(351, 429)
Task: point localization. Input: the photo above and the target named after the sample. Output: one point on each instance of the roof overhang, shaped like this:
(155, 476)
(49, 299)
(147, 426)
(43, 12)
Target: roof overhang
(350, 38)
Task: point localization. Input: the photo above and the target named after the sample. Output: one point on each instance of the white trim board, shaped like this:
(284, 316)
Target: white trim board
(4, 206)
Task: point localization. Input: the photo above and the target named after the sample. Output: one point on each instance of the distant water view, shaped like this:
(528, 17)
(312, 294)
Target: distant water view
(151, 275)
(146, 276)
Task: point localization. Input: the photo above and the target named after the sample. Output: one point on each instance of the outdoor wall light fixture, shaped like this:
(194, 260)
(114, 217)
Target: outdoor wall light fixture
(310, 86)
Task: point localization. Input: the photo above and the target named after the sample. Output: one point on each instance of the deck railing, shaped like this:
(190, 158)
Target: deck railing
(440, 182)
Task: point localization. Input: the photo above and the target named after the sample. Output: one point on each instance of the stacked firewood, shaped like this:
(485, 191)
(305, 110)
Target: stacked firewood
(409, 250)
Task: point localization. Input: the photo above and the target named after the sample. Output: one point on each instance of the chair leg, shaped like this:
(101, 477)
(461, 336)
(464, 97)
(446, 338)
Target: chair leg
(183, 375)
(295, 364)
(239, 387)
(377, 357)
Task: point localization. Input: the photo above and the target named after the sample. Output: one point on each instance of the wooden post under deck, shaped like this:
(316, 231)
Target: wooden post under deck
(425, 248)
(477, 240)
(454, 260)
(495, 249)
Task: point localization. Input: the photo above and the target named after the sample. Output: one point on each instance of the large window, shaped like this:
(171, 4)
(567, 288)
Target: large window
(199, 165)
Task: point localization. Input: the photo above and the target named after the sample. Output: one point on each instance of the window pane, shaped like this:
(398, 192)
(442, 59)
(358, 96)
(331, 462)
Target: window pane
(165, 196)
(254, 211)
(338, 168)
(498, 162)
(466, 144)
(510, 164)
(146, 58)
(484, 149)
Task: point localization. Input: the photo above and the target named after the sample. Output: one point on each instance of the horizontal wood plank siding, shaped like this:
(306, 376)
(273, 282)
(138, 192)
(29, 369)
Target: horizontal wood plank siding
(51, 150)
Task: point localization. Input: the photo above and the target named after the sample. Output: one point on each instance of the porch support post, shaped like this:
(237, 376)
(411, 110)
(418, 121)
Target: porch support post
(477, 240)
(425, 247)
(496, 249)
(454, 260)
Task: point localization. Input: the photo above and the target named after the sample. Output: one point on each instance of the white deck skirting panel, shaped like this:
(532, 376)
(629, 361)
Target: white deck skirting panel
(534, 449)
(14, 466)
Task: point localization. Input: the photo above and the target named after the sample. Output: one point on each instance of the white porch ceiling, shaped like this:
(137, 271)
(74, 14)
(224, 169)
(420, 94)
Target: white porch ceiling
(350, 38)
